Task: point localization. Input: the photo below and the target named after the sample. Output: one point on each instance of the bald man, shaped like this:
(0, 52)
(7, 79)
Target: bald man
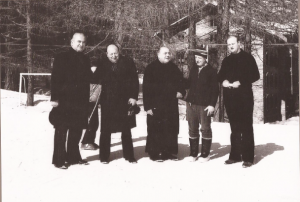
(238, 71)
(70, 88)
(162, 86)
(120, 87)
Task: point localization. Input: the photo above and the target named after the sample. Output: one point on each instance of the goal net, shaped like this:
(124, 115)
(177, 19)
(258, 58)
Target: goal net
(23, 81)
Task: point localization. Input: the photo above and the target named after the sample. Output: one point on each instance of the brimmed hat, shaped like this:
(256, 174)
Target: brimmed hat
(202, 53)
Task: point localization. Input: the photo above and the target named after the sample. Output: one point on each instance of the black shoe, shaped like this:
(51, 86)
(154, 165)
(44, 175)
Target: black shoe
(156, 157)
(104, 161)
(83, 162)
(229, 161)
(132, 160)
(64, 167)
(247, 164)
(168, 156)
(92, 146)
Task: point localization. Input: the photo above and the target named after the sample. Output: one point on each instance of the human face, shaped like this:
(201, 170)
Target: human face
(78, 42)
(200, 61)
(112, 53)
(233, 45)
(164, 55)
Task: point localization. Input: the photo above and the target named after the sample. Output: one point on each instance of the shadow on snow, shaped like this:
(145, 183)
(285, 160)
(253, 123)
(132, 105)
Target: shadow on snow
(217, 151)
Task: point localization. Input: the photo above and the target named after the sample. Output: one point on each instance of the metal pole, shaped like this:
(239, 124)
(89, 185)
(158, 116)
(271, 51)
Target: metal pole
(291, 70)
(20, 87)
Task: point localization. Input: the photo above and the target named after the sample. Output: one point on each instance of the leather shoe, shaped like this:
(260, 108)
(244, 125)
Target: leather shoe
(247, 164)
(83, 162)
(132, 160)
(168, 156)
(156, 157)
(64, 167)
(89, 146)
(105, 161)
(230, 161)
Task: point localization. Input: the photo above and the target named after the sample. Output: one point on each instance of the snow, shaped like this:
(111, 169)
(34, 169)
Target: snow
(28, 175)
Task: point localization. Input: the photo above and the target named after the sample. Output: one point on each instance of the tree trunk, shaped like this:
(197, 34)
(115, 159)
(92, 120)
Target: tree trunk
(166, 23)
(191, 43)
(247, 29)
(29, 56)
(9, 83)
(119, 25)
(222, 34)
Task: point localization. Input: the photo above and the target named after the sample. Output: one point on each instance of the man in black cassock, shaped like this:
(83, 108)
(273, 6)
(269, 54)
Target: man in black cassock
(162, 86)
(70, 88)
(238, 71)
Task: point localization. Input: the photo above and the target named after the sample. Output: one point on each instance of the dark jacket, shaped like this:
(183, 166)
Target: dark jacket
(70, 86)
(117, 88)
(240, 67)
(243, 68)
(203, 87)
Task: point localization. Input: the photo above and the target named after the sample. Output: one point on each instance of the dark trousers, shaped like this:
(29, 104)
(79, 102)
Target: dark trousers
(90, 133)
(242, 136)
(197, 116)
(71, 154)
(127, 145)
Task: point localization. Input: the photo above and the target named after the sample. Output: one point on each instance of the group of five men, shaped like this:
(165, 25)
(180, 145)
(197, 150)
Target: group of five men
(163, 85)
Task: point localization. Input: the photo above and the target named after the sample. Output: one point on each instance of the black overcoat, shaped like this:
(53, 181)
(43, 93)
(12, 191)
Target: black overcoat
(243, 68)
(117, 88)
(70, 82)
(160, 85)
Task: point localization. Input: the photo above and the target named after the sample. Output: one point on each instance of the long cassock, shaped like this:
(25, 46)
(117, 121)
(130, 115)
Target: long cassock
(160, 85)
(239, 103)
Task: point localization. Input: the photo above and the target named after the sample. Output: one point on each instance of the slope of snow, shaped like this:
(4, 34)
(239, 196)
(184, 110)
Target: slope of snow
(28, 175)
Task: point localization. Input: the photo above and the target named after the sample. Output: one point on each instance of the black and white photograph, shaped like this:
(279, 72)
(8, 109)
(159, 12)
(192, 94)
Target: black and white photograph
(149, 100)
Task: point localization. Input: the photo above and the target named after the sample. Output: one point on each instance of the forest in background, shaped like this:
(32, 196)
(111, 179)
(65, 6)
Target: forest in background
(32, 31)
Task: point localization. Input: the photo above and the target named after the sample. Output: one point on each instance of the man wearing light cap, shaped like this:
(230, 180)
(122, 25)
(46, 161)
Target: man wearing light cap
(201, 100)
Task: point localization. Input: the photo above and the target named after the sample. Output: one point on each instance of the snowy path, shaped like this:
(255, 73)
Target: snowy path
(28, 175)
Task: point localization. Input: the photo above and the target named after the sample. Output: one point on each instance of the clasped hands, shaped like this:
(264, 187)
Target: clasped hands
(235, 84)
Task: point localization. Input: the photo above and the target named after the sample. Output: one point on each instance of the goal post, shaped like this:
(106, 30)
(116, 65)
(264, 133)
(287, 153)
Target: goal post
(28, 74)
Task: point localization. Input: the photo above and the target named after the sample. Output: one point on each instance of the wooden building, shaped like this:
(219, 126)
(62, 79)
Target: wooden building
(276, 94)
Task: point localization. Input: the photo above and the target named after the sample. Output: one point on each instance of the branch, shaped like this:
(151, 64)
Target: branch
(98, 44)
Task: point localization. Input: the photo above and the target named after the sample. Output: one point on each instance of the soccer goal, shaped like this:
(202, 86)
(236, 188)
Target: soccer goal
(22, 78)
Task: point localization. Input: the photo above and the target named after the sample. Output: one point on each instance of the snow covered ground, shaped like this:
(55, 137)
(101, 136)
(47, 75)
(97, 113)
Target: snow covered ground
(28, 175)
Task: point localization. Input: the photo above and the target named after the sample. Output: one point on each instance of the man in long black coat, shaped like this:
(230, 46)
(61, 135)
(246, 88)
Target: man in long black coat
(120, 87)
(70, 97)
(162, 86)
(238, 71)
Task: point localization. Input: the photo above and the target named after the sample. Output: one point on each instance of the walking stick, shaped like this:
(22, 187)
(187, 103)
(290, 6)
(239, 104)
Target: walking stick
(94, 107)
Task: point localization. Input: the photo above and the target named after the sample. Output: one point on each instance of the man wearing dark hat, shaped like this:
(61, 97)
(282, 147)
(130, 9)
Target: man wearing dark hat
(162, 86)
(201, 100)
(238, 71)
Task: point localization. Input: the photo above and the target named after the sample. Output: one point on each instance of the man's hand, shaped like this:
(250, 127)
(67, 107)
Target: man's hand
(54, 103)
(236, 84)
(150, 112)
(210, 110)
(93, 68)
(226, 84)
(179, 95)
(132, 101)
